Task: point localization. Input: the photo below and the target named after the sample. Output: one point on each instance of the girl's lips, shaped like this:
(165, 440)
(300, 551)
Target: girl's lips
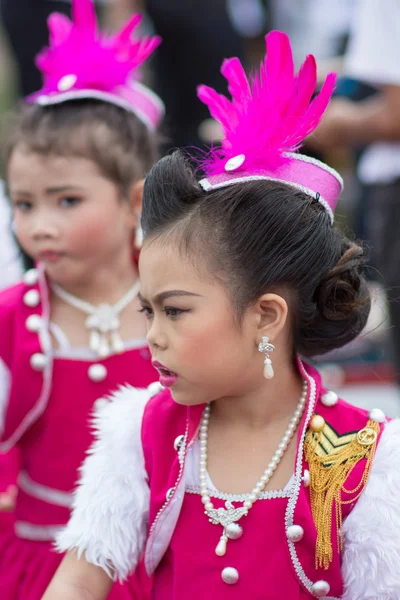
(49, 256)
(168, 380)
(167, 377)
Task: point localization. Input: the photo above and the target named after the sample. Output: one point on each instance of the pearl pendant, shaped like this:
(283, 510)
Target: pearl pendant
(104, 348)
(268, 370)
(94, 341)
(234, 531)
(118, 345)
(220, 550)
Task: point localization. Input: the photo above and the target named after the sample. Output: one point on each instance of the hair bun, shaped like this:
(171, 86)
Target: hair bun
(342, 301)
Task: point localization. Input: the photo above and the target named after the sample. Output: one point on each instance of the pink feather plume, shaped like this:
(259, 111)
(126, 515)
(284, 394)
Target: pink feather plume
(270, 114)
(97, 61)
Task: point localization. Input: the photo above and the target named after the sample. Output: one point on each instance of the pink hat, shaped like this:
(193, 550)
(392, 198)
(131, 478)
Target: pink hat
(81, 62)
(266, 123)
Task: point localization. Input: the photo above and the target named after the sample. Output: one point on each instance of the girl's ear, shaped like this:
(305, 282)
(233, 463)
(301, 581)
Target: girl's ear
(272, 314)
(136, 200)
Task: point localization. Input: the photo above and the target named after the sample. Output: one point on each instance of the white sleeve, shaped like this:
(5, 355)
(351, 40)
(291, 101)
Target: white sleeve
(5, 386)
(371, 558)
(111, 503)
(373, 54)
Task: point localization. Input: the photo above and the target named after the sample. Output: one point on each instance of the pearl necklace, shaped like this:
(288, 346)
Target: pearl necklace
(228, 517)
(103, 320)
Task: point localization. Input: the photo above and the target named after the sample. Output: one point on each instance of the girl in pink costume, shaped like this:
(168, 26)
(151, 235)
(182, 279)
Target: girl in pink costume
(71, 331)
(245, 478)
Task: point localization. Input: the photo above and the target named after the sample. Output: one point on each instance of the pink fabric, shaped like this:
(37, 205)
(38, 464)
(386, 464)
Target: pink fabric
(81, 61)
(266, 122)
(259, 556)
(264, 557)
(53, 445)
(312, 176)
(27, 567)
(9, 467)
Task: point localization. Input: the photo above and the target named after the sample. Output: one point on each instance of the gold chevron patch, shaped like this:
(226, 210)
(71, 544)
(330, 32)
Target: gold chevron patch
(331, 457)
(331, 441)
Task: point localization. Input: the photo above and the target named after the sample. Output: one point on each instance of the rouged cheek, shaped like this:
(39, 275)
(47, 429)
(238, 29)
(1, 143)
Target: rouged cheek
(87, 236)
(207, 345)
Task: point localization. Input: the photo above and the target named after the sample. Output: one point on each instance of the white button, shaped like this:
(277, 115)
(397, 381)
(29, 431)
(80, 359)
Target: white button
(178, 442)
(230, 575)
(33, 323)
(97, 372)
(306, 478)
(155, 388)
(100, 402)
(234, 163)
(66, 82)
(170, 493)
(329, 398)
(32, 298)
(295, 533)
(321, 589)
(376, 414)
(38, 361)
(31, 277)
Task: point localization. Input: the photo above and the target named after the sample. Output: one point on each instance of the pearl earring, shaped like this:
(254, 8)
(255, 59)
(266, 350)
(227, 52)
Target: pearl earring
(138, 237)
(266, 347)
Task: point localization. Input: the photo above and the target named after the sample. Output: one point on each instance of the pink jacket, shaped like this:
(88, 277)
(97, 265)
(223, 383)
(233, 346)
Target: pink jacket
(151, 512)
(46, 402)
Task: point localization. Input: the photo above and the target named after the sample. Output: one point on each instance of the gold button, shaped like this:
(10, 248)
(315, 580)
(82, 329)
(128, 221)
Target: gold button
(367, 436)
(317, 423)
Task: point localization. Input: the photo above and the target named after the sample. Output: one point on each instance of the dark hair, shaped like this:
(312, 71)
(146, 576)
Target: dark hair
(260, 236)
(115, 139)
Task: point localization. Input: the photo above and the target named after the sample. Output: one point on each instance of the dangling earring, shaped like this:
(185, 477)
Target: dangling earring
(138, 237)
(266, 347)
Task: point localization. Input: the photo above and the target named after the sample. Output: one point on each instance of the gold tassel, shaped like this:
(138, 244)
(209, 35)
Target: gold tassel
(328, 476)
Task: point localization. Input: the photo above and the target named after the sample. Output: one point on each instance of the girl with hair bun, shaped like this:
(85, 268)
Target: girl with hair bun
(244, 476)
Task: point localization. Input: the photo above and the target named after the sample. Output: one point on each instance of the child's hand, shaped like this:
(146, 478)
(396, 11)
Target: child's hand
(8, 499)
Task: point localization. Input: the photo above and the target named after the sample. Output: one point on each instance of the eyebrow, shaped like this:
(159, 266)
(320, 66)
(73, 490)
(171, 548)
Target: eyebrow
(49, 191)
(62, 188)
(159, 298)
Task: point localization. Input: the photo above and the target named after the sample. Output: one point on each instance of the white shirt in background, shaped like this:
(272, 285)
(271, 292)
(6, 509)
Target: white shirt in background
(373, 57)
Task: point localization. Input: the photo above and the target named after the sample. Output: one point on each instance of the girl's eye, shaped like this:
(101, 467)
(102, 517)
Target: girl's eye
(173, 313)
(70, 201)
(146, 310)
(22, 205)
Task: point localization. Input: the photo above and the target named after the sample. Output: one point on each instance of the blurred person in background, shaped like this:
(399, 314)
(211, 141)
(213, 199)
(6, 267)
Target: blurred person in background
(25, 25)
(319, 27)
(373, 57)
(198, 34)
(70, 331)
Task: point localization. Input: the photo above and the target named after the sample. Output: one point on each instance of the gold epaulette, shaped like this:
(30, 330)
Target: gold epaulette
(331, 457)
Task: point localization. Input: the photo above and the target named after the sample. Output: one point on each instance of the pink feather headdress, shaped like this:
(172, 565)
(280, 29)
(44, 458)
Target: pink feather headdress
(82, 62)
(266, 122)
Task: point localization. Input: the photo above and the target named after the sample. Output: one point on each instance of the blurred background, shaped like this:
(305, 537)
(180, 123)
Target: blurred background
(356, 38)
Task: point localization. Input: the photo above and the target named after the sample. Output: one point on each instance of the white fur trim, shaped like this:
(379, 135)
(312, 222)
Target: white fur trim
(111, 504)
(371, 558)
(5, 385)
